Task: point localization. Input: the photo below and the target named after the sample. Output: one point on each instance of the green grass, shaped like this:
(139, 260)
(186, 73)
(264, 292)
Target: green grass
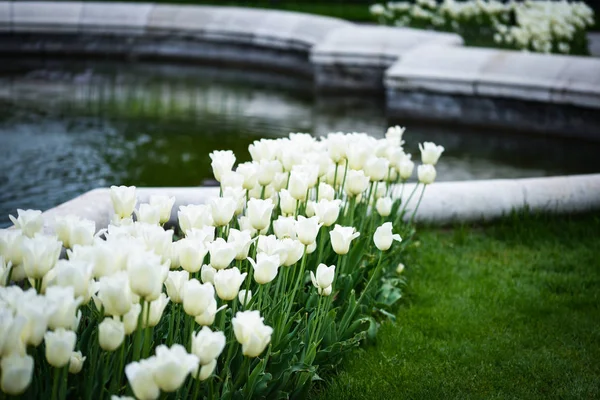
(507, 311)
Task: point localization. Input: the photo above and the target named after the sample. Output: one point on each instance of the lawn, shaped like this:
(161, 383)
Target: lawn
(510, 310)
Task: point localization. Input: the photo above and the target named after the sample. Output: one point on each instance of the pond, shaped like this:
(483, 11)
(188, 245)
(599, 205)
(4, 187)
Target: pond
(67, 127)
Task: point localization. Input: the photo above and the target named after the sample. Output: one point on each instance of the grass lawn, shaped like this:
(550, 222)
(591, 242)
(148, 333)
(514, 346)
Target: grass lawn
(507, 311)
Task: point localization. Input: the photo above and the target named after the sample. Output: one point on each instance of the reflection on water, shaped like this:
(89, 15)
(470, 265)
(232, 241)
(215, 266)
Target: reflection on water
(66, 128)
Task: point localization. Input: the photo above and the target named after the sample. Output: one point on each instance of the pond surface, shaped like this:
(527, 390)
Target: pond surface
(68, 127)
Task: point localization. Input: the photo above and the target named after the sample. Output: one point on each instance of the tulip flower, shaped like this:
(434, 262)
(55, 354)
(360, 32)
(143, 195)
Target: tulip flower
(123, 200)
(221, 253)
(310, 209)
(384, 206)
(284, 227)
(175, 283)
(72, 230)
(259, 213)
(394, 135)
(206, 234)
(207, 274)
(293, 252)
(307, 229)
(251, 332)
(207, 345)
(357, 155)
(30, 222)
(196, 296)
(232, 179)
(172, 366)
(141, 379)
(40, 254)
(326, 192)
(222, 209)
(341, 236)
(17, 372)
(63, 312)
(356, 182)
(266, 171)
(244, 297)
(265, 267)
(324, 277)
(191, 253)
(157, 307)
(228, 282)
(405, 168)
(208, 316)
(148, 214)
(205, 371)
(430, 153)
(194, 216)
(383, 236)
(287, 203)
(222, 161)
(327, 211)
(37, 311)
(376, 168)
(76, 274)
(111, 333)
(299, 184)
(400, 268)
(164, 204)
(241, 241)
(130, 320)
(238, 195)
(249, 171)
(76, 362)
(426, 174)
(59, 346)
(310, 173)
(115, 294)
(146, 275)
(337, 146)
(11, 244)
(11, 331)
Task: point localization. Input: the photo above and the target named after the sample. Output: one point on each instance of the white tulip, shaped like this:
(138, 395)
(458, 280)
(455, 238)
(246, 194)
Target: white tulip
(223, 209)
(71, 230)
(299, 185)
(207, 345)
(12, 329)
(376, 168)
(111, 333)
(206, 234)
(285, 227)
(244, 297)
(232, 179)
(324, 276)
(279, 181)
(130, 319)
(221, 253)
(324, 292)
(196, 296)
(265, 267)
(357, 155)
(394, 135)
(238, 195)
(11, 244)
(400, 268)
(241, 241)
(337, 146)
(59, 346)
(175, 283)
(356, 182)
(267, 170)
(123, 200)
(172, 366)
(327, 211)
(40, 254)
(207, 274)
(309, 171)
(341, 236)
(251, 332)
(115, 294)
(311, 248)
(208, 316)
(148, 214)
(406, 168)
(384, 206)
(249, 171)
(426, 174)
(326, 192)
(157, 307)
(37, 311)
(76, 362)
(194, 216)
(17, 372)
(222, 161)
(228, 282)
(76, 274)
(146, 275)
(383, 236)
(30, 222)
(259, 213)
(287, 203)
(310, 209)
(307, 229)
(205, 371)
(294, 250)
(430, 153)
(141, 379)
(191, 253)
(164, 204)
(64, 307)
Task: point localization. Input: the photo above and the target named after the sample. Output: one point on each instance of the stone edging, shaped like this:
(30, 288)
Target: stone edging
(443, 203)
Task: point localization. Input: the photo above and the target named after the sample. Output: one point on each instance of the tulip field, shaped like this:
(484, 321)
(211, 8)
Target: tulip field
(252, 294)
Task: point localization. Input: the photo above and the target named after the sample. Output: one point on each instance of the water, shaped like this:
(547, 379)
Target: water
(68, 127)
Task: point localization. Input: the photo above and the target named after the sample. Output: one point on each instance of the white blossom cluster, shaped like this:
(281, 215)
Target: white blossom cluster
(542, 26)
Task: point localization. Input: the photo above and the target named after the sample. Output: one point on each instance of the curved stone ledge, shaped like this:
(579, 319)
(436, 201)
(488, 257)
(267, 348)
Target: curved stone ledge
(443, 203)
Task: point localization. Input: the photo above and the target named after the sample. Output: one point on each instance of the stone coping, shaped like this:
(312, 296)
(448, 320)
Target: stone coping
(443, 203)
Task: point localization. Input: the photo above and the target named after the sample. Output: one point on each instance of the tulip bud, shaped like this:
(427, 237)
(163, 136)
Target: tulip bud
(148, 214)
(426, 173)
(324, 277)
(265, 267)
(259, 213)
(311, 248)
(76, 362)
(325, 292)
(141, 379)
(123, 200)
(59, 346)
(196, 296)
(175, 283)
(222, 162)
(310, 209)
(221, 253)
(341, 236)
(111, 333)
(164, 204)
(207, 274)
(222, 209)
(17, 371)
(430, 153)
(383, 237)
(251, 332)
(244, 297)
(400, 268)
(307, 229)
(228, 282)
(207, 345)
(287, 203)
(356, 182)
(205, 371)
(29, 222)
(384, 206)
(130, 320)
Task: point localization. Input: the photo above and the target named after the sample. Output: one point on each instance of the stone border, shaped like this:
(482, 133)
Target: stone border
(443, 203)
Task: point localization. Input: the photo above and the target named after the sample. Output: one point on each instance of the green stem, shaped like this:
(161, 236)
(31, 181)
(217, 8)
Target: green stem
(56, 381)
(344, 180)
(262, 192)
(412, 218)
(171, 325)
(409, 198)
(337, 164)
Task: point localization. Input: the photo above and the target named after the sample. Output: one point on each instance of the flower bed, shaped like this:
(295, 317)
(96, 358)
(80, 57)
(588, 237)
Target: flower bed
(538, 26)
(252, 295)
